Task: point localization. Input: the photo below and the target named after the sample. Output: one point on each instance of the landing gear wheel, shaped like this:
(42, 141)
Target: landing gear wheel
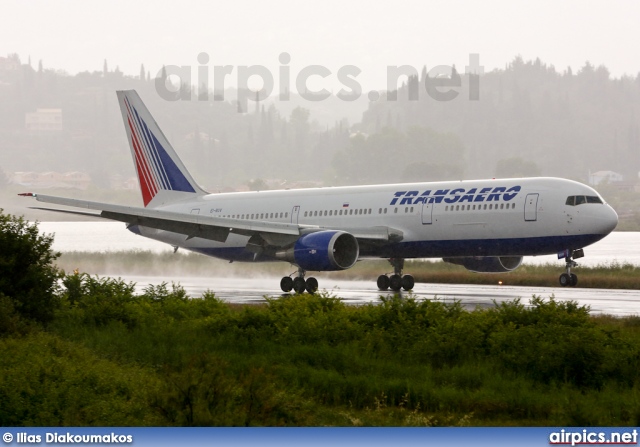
(395, 282)
(383, 282)
(286, 284)
(565, 280)
(408, 282)
(299, 286)
(574, 279)
(311, 285)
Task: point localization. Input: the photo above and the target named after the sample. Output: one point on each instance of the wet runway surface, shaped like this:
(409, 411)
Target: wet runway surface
(253, 290)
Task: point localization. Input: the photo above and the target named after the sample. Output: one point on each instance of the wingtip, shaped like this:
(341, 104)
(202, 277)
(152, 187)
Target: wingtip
(27, 194)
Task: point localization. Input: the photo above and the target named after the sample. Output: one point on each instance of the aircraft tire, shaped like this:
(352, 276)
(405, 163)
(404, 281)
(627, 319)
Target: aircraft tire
(299, 286)
(311, 285)
(395, 282)
(565, 280)
(286, 284)
(408, 282)
(383, 282)
(574, 280)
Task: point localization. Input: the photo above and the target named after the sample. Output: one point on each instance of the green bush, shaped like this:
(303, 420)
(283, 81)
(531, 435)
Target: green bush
(46, 381)
(10, 321)
(312, 360)
(27, 275)
(98, 301)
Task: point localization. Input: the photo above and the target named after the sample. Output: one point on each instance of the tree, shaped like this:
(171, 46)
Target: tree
(27, 276)
(257, 185)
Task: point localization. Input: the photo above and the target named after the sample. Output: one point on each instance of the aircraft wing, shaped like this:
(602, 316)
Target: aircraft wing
(207, 227)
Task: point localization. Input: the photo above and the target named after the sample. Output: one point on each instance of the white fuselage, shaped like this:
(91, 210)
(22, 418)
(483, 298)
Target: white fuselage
(506, 217)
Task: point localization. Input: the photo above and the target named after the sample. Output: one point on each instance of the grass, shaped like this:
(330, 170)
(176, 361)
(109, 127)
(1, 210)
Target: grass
(112, 356)
(610, 276)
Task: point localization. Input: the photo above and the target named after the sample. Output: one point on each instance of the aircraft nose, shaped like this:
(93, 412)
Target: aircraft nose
(609, 220)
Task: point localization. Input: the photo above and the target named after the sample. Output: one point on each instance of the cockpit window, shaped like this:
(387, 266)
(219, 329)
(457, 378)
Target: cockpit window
(594, 199)
(579, 200)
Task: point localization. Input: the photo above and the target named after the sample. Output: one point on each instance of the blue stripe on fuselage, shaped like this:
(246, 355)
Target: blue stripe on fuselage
(532, 246)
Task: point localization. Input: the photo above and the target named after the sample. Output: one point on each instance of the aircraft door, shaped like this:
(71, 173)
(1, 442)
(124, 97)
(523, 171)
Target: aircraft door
(427, 213)
(294, 214)
(531, 208)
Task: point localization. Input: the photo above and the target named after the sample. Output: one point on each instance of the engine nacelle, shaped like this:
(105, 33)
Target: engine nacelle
(323, 251)
(487, 264)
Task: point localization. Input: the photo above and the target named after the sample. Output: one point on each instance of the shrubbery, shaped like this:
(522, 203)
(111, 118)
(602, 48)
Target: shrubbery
(46, 381)
(400, 361)
(111, 356)
(28, 280)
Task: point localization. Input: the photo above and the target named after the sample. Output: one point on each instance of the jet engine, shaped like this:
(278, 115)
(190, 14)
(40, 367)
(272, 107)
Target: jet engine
(487, 264)
(323, 251)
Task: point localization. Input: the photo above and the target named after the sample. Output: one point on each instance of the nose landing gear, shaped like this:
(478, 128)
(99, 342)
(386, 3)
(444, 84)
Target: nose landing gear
(396, 281)
(568, 278)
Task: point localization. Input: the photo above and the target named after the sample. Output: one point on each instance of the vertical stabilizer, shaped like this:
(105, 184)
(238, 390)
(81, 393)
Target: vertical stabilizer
(162, 175)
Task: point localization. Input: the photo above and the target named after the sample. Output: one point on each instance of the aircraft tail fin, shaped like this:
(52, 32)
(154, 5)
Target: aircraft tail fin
(162, 175)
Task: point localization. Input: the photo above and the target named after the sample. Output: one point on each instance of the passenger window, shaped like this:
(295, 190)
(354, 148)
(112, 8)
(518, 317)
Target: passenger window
(305, 214)
(446, 208)
(485, 206)
(457, 207)
(286, 215)
(502, 206)
(385, 211)
(369, 210)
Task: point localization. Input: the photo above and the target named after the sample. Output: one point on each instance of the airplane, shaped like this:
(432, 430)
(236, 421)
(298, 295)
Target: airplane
(486, 226)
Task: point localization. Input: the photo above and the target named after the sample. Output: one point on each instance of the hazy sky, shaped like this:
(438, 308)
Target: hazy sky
(79, 35)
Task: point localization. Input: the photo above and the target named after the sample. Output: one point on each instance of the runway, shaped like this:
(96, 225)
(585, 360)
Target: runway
(253, 290)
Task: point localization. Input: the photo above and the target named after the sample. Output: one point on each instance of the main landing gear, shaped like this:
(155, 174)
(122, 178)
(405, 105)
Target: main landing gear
(298, 284)
(396, 281)
(568, 278)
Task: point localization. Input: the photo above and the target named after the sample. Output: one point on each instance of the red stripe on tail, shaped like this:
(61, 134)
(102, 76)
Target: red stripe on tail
(147, 184)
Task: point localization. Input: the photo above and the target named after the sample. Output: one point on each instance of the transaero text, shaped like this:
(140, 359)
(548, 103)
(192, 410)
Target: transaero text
(458, 195)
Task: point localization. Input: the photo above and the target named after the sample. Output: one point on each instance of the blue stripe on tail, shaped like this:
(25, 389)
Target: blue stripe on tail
(170, 175)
